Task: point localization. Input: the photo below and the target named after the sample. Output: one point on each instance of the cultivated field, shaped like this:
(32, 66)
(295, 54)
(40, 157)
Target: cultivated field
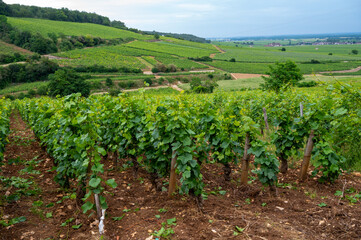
(44, 27)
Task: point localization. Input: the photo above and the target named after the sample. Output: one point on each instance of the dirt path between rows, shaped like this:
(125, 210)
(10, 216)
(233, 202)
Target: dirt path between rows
(174, 86)
(52, 57)
(41, 197)
(245, 75)
(219, 50)
(5, 65)
(345, 71)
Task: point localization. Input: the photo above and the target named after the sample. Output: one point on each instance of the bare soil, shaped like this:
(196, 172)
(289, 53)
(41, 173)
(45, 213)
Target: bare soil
(219, 50)
(245, 75)
(345, 71)
(307, 210)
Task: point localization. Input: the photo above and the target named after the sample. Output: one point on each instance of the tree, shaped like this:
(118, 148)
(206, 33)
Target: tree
(66, 81)
(109, 82)
(156, 36)
(282, 75)
(207, 86)
(283, 49)
(355, 52)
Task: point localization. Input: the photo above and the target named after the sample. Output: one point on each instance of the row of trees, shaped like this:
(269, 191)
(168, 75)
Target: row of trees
(64, 14)
(29, 72)
(51, 44)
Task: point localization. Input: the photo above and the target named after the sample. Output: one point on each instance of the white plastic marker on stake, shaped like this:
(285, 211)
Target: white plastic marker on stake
(101, 224)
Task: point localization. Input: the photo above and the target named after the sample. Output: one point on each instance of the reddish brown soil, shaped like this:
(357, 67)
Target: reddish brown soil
(245, 75)
(293, 214)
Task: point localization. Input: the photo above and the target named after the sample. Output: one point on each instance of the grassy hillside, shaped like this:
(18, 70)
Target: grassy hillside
(9, 49)
(71, 28)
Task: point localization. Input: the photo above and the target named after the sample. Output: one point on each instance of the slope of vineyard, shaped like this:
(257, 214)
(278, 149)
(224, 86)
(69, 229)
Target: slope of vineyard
(44, 27)
(125, 56)
(7, 49)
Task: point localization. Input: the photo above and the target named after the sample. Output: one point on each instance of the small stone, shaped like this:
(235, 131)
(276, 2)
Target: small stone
(62, 235)
(280, 208)
(70, 207)
(321, 222)
(268, 225)
(150, 231)
(214, 231)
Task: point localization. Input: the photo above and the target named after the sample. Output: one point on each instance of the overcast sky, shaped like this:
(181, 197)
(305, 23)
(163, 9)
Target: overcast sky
(223, 18)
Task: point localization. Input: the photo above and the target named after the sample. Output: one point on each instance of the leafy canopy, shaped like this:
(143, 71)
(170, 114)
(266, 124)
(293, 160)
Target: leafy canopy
(282, 75)
(65, 82)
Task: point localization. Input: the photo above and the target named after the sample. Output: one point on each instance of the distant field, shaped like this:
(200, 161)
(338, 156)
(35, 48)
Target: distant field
(99, 56)
(122, 56)
(296, 54)
(10, 49)
(72, 28)
(260, 68)
(175, 48)
(22, 87)
(253, 83)
(181, 63)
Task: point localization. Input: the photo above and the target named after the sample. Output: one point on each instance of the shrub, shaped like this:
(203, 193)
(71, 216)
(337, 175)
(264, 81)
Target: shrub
(148, 81)
(32, 93)
(11, 97)
(161, 81)
(114, 92)
(171, 68)
(42, 91)
(155, 70)
(171, 80)
(330, 53)
(306, 84)
(96, 85)
(199, 86)
(109, 82)
(66, 81)
(21, 96)
(314, 61)
(122, 84)
(232, 60)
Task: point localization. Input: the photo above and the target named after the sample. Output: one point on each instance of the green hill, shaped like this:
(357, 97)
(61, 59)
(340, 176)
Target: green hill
(44, 27)
(6, 48)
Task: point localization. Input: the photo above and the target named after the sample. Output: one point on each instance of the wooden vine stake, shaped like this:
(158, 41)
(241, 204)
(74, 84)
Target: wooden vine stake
(301, 109)
(245, 161)
(307, 157)
(173, 179)
(265, 118)
(97, 205)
